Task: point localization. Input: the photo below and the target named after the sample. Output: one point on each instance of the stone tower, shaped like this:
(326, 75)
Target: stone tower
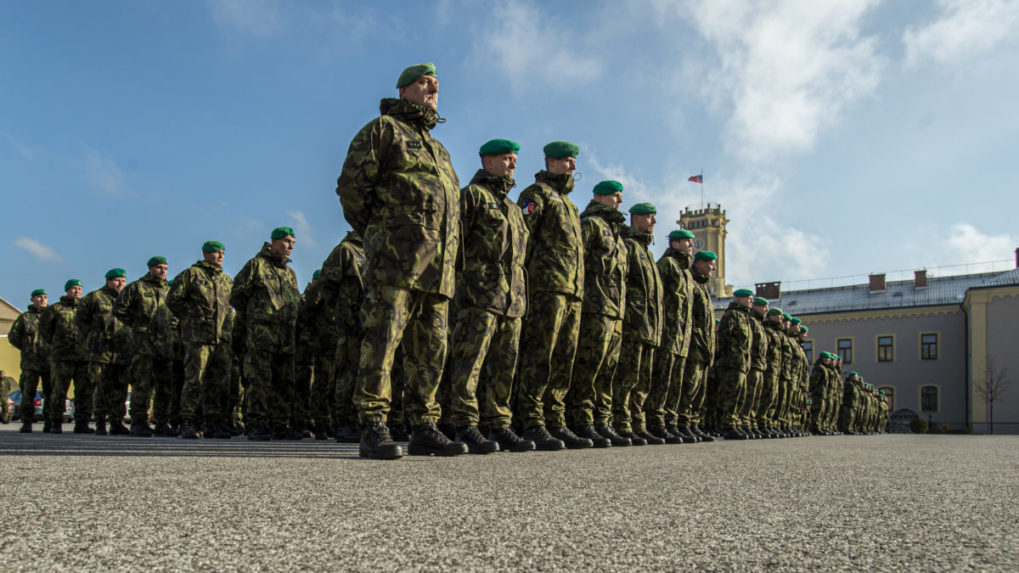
(708, 226)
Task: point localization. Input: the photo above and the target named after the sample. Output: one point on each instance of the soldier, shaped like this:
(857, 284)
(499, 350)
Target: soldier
(702, 348)
(137, 308)
(677, 302)
(819, 376)
(320, 303)
(306, 332)
(732, 361)
(106, 342)
(751, 420)
(67, 355)
(555, 290)
(850, 404)
(589, 400)
(642, 329)
(35, 368)
(773, 330)
(165, 337)
(7, 385)
(398, 189)
(266, 298)
(491, 299)
(200, 299)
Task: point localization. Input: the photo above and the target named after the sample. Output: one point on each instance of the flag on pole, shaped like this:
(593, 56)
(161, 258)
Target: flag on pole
(696, 179)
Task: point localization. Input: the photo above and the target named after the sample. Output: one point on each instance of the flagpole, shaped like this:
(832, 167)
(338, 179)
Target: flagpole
(702, 188)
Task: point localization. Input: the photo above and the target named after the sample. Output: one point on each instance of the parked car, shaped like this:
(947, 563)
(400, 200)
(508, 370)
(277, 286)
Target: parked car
(14, 406)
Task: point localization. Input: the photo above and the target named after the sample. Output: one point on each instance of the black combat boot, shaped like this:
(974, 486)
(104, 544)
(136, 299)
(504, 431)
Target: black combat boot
(163, 429)
(666, 435)
(208, 430)
(509, 441)
(138, 430)
(82, 427)
(427, 440)
(572, 441)
(589, 433)
(117, 428)
(320, 431)
(476, 442)
(542, 439)
(46, 426)
(188, 431)
(635, 440)
(258, 434)
(221, 431)
(650, 438)
(377, 444)
(287, 433)
(704, 436)
(399, 432)
(734, 434)
(101, 427)
(26, 428)
(57, 428)
(348, 434)
(610, 434)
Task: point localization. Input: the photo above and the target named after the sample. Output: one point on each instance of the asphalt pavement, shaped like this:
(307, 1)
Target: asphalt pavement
(876, 503)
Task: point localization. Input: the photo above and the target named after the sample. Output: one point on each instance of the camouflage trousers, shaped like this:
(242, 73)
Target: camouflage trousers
(323, 387)
(589, 400)
(111, 381)
(666, 388)
(300, 407)
(781, 406)
(819, 407)
(750, 418)
(833, 404)
(166, 394)
(62, 374)
(348, 352)
(692, 393)
(847, 417)
(548, 347)
(417, 321)
(206, 382)
(769, 394)
(269, 389)
(731, 390)
(484, 358)
(632, 384)
(29, 383)
(147, 372)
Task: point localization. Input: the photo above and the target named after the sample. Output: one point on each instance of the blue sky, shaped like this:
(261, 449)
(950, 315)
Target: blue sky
(842, 137)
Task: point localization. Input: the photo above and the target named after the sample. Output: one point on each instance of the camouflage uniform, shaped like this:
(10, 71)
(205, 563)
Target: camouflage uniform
(24, 335)
(491, 299)
(7, 385)
(702, 350)
(589, 400)
(59, 331)
(677, 303)
(200, 299)
(750, 416)
(343, 281)
(555, 289)
(165, 334)
(266, 297)
(732, 362)
(108, 347)
(772, 376)
(305, 332)
(137, 308)
(849, 407)
(319, 335)
(642, 333)
(398, 189)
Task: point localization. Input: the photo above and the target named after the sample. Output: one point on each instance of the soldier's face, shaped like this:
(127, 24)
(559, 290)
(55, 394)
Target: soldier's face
(501, 165)
(643, 223)
(424, 92)
(74, 291)
(744, 301)
(706, 268)
(159, 271)
(41, 300)
(283, 246)
(561, 165)
(116, 283)
(613, 200)
(215, 257)
(775, 318)
(760, 310)
(682, 245)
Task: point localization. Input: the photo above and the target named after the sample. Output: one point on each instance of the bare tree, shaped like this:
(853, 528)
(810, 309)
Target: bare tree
(991, 387)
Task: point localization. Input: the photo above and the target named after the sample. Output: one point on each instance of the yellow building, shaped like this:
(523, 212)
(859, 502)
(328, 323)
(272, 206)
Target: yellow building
(708, 227)
(10, 358)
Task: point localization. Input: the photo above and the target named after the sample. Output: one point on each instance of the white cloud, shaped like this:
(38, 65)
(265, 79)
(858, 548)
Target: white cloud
(256, 17)
(25, 151)
(965, 244)
(786, 70)
(303, 228)
(38, 249)
(964, 29)
(103, 173)
(532, 49)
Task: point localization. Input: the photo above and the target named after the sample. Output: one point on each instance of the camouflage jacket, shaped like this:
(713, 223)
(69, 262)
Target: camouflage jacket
(136, 309)
(555, 245)
(491, 273)
(266, 297)
(677, 301)
(164, 333)
(316, 327)
(604, 260)
(200, 299)
(702, 319)
(59, 331)
(398, 189)
(819, 376)
(800, 364)
(643, 317)
(24, 335)
(342, 281)
(774, 357)
(106, 340)
(759, 346)
(735, 338)
(850, 394)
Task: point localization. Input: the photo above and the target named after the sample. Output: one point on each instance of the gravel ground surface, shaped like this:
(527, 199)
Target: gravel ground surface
(888, 503)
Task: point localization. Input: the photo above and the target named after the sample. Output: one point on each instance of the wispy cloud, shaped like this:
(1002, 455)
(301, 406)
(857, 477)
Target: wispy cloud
(25, 151)
(38, 249)
(965, 242)
(963, 30)
(256, 17)
(103, 173)
(303, 228)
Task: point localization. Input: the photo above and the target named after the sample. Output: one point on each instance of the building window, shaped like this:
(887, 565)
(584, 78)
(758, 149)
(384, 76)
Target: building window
(885, 348)
(845, 348)
(929, 346)
(808, 349)
(890, 392)
(929, 398)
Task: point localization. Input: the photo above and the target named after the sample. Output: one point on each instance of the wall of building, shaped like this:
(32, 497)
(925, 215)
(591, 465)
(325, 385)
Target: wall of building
(995, 342)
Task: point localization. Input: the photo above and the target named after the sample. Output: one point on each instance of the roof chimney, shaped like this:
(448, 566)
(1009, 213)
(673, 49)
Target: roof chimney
(877, 283)
(771, 291)
(920, 279)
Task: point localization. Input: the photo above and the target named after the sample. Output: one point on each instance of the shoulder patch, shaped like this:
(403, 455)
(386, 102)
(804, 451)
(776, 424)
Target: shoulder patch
(528, 207)
(413, 144)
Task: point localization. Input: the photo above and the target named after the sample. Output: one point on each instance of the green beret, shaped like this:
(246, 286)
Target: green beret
(851, 374)
(794, 320)
(169, 282)
(643, 209)
(786, 316)
(212, 247)
(156, 261)
(608, 187)
(38, 292)
(498, 147)
(561, 149)
(706, 256)
(71, 283)
(681, 234)
(743, 292)
(718, 320)
(411, 74)
(316, 274)
(758, 301)
(804, 329)
(280, 232)
(116, 272)
(775, 311)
